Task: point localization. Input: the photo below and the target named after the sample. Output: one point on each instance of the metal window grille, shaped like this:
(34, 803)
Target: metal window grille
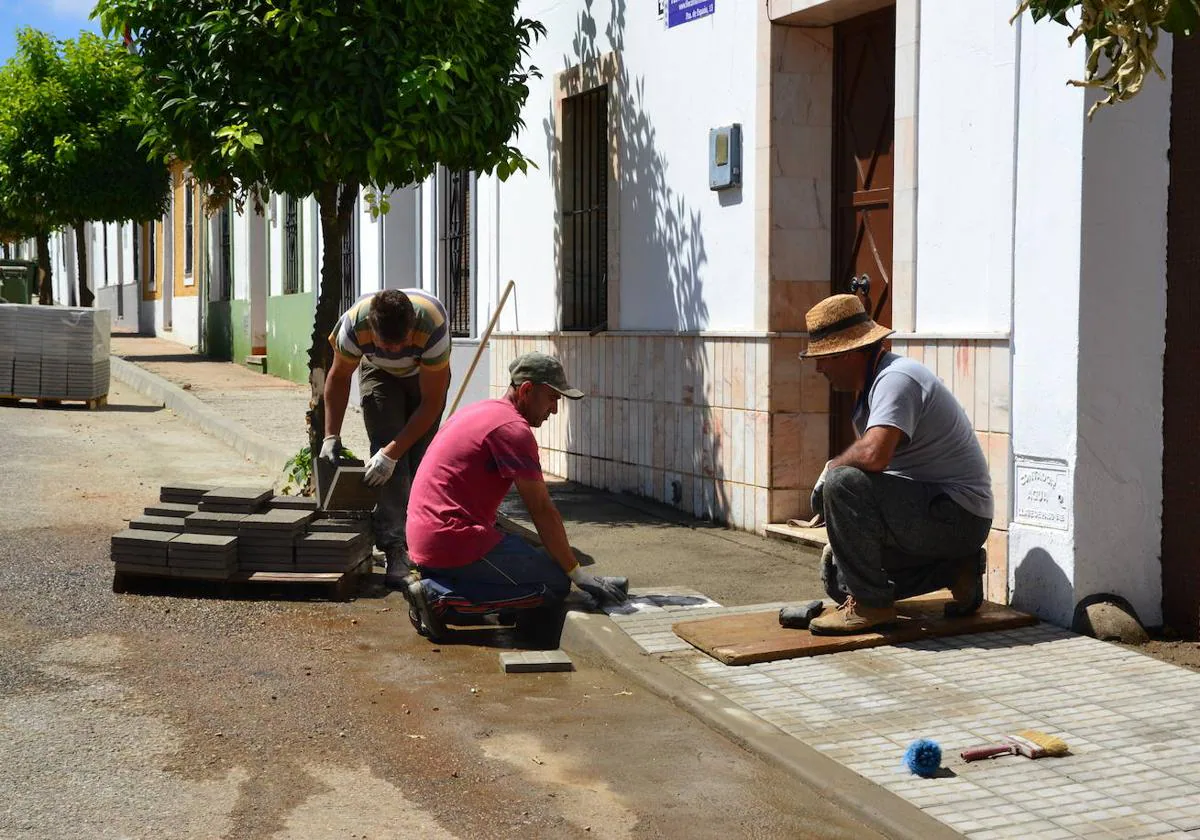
(223, 287)
(189, 223)
(291, 246)
(349, 249)
(585, 210)
(152, 268)
(455, 235)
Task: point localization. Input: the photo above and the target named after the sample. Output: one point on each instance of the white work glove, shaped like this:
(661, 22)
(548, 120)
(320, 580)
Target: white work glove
(599, 588)
(379, 469)
(331, 448)
(817, 499)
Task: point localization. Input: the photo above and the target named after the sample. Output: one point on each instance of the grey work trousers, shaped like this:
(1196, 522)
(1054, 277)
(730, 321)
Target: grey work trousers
(893, 538)
(387, 403)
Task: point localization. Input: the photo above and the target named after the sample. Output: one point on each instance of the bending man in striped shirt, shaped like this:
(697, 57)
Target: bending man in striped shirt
(400, 341)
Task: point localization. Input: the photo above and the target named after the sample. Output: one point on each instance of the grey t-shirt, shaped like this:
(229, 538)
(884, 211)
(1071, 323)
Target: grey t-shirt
(940, 446)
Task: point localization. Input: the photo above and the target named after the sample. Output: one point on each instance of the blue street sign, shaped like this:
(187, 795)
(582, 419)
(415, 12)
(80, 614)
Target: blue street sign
(685, 11)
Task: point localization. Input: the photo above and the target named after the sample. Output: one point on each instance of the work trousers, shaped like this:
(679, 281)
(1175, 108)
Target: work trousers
(893, 538)
(387, 403)
(512, 576)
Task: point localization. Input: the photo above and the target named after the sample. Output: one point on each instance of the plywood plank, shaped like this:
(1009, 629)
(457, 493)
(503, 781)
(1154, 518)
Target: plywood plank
(747, 638)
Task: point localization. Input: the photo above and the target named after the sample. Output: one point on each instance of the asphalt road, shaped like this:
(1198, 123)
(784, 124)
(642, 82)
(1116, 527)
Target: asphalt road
(184, 715)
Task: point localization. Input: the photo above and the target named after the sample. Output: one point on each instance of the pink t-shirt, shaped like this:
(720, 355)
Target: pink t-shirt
(461, 481)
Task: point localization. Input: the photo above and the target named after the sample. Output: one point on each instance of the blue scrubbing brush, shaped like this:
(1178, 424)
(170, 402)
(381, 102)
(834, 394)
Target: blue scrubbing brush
(923, 757)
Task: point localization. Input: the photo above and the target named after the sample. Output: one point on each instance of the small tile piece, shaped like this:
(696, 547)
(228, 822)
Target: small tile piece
(535, 661)
(347, 491)
(170, 509)
(293, 503)
(157, 523)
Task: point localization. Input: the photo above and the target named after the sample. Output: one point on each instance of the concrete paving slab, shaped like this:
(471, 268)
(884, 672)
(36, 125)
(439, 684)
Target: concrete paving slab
(535, 661)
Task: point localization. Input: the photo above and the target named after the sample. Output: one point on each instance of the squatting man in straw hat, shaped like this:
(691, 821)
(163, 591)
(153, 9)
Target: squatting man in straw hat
(908, 505)
(467, 566)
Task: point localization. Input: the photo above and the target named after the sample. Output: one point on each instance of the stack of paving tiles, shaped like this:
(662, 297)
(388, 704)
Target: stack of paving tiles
(293, 503)
(331, 551)
(244, 500)
(150, 522)
(216, 524)
(207, 556)
(176, 510)
(8, 350)
(141, 552)
(184, 494)
(266, 541)
(54, 352)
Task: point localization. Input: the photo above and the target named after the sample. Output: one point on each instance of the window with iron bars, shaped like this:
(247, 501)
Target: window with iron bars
(223, 276)
(349, 292)
(291, 245)
(585, 210)
(454, 233)
(189, 229)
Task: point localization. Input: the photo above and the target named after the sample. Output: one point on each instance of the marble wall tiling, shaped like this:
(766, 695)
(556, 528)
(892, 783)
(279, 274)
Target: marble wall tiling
(682, 419)
(979, 372)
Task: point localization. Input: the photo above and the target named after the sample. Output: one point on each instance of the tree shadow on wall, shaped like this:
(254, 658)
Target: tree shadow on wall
(657, 225)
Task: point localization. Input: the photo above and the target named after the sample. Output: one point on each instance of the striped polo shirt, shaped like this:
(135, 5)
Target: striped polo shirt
(428, 347)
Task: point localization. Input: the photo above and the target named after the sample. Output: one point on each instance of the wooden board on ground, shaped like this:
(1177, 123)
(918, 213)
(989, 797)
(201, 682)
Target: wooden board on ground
(341, 585)
(815, 537)
(747, 638)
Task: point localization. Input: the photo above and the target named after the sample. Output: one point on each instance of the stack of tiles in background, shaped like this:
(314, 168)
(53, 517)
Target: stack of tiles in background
(184, 494)
(244, 500)
(206, 556)
(8, 347)
(28, 324)
(266, 541)
(331, 551)
(173, 509)
(170, 524)
(141, 552)
(215, 524)
(335, 525)
(293, 503)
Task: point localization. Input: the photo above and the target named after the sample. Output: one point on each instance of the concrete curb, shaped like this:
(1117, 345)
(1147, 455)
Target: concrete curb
(589, 634)
(246, 442)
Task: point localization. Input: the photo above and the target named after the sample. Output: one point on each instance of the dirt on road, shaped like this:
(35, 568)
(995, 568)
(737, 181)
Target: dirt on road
(182, 715)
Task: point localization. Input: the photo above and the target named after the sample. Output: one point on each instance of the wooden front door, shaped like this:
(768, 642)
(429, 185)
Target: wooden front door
(1181, 399)
(864, 92)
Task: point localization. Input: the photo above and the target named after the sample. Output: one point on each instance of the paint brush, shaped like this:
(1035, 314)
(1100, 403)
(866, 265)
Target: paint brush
(1028, 742)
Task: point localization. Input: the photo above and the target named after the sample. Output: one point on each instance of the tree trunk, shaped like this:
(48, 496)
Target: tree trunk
(45, 288)
(336, 203)
(86, 298)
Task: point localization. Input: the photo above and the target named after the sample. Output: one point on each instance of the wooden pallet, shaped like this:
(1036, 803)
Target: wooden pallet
(53, 402)
(341, 585)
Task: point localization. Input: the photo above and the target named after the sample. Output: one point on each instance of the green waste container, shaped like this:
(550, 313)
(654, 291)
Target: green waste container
(17, 281)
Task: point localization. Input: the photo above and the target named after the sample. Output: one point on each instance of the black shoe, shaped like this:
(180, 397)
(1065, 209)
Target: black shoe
(423, 619)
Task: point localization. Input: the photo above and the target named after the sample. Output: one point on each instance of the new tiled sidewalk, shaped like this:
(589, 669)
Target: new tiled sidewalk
(1131, 723)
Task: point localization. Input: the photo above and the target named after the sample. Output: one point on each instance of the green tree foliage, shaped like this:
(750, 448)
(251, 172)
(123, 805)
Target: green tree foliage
(1121, 36)
(316, 97)
(70, 143)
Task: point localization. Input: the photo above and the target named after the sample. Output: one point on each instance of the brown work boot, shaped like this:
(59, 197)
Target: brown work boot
(398, 567)
(851, 618)
(967, 586)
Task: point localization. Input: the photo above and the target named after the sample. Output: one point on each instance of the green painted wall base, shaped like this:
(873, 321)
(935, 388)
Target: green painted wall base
(219, 332)
(289, 335)
(239, 319)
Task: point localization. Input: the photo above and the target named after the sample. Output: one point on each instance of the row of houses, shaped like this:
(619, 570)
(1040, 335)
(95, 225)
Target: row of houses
(707, 171)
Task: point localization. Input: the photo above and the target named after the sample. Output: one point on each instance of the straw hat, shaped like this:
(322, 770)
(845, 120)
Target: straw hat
(839, 324)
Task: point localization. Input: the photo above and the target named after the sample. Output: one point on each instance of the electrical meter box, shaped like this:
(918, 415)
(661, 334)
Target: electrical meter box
(725, 157)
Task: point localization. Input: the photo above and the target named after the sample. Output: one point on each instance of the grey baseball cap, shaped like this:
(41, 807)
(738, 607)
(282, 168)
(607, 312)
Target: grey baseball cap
(544, 370)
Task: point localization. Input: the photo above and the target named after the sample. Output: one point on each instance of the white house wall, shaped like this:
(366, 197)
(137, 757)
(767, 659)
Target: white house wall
(686, 253)
(965, 166)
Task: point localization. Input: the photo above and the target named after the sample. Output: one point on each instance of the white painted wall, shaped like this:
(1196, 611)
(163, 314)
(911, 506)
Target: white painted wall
(400, 228)
(679, 240)
(965, 166)
(1123, 308)
(185, 316)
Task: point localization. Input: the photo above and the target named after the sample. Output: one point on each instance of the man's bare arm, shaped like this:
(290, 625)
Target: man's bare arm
(548, 521)
(873, 451)
(337, 392)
